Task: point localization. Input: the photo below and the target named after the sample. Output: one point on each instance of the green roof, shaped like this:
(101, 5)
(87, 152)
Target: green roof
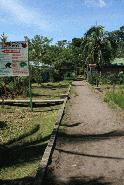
(118, 61)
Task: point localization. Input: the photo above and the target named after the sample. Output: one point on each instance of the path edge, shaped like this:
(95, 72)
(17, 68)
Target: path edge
(49, 149)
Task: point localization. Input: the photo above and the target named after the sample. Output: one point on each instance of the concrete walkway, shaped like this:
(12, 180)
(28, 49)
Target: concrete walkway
(91, 149)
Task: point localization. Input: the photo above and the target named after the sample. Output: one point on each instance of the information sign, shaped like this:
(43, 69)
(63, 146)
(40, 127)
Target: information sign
(14, 59)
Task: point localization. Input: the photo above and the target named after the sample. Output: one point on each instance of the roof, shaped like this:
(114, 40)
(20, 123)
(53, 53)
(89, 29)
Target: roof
(39, 64)
(118, 61)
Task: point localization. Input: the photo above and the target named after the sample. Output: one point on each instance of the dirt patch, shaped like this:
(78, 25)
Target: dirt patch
(90, 151)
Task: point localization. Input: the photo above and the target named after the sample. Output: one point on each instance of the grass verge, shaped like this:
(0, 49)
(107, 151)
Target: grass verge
(23, 138)
(114, 99)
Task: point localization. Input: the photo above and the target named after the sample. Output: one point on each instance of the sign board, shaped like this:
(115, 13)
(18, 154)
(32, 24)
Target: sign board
(92, 65)
(14, 59)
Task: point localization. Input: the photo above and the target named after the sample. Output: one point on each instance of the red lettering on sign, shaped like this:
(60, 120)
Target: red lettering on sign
(11, 51)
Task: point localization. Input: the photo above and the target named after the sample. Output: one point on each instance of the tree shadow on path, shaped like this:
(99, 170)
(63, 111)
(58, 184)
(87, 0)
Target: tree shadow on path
(88, 155)
(90, 137)
(72, 125)
(51, 179)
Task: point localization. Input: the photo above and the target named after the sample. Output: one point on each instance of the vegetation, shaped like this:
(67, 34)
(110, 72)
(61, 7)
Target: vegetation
(19, 89)
(112, 87)
(96, 46)
(50, 90)
(117, 97)
(13, 86)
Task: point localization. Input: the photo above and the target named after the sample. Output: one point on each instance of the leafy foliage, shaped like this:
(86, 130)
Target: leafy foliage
(13, 86)
(96, 46)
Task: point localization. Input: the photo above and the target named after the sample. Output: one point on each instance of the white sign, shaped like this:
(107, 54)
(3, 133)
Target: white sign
(14, 59)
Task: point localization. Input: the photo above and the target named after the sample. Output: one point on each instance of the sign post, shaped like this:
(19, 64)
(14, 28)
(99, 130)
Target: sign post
(30, 88)
(14, 61)
(30, 94)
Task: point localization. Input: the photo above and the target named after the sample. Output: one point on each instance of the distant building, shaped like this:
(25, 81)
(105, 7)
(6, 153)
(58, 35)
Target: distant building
(116, 66)
(118, 61)
(45, 71)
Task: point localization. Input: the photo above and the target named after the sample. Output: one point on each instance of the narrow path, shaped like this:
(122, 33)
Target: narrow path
(91, 150)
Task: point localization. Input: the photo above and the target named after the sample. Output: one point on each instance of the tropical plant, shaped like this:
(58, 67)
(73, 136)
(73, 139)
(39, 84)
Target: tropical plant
(96, 46)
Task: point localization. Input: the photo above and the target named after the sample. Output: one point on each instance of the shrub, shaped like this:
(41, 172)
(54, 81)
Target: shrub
(110, 78)
(13, 86)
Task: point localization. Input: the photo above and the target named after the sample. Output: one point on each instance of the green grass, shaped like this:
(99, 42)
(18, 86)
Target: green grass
(23, 138)
(50, 90)
(117, 97)
(24, 134)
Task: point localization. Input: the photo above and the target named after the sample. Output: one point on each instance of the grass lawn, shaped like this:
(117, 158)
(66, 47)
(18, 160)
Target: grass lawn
(23, 138)
(24, 134)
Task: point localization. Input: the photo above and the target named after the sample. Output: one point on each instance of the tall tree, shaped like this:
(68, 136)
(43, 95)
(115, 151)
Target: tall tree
(96, 46)
(38, 47)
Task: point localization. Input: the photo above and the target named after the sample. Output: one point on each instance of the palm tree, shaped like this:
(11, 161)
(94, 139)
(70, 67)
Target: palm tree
(96, 46)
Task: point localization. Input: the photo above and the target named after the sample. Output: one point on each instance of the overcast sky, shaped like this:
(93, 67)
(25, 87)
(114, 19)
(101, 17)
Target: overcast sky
(58, 19)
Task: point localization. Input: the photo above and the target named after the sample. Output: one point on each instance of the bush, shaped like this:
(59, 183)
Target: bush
(111, 78)
(13, 86)
(94, 78)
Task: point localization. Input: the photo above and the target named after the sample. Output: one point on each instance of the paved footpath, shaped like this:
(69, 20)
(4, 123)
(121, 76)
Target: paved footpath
(91, 149)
